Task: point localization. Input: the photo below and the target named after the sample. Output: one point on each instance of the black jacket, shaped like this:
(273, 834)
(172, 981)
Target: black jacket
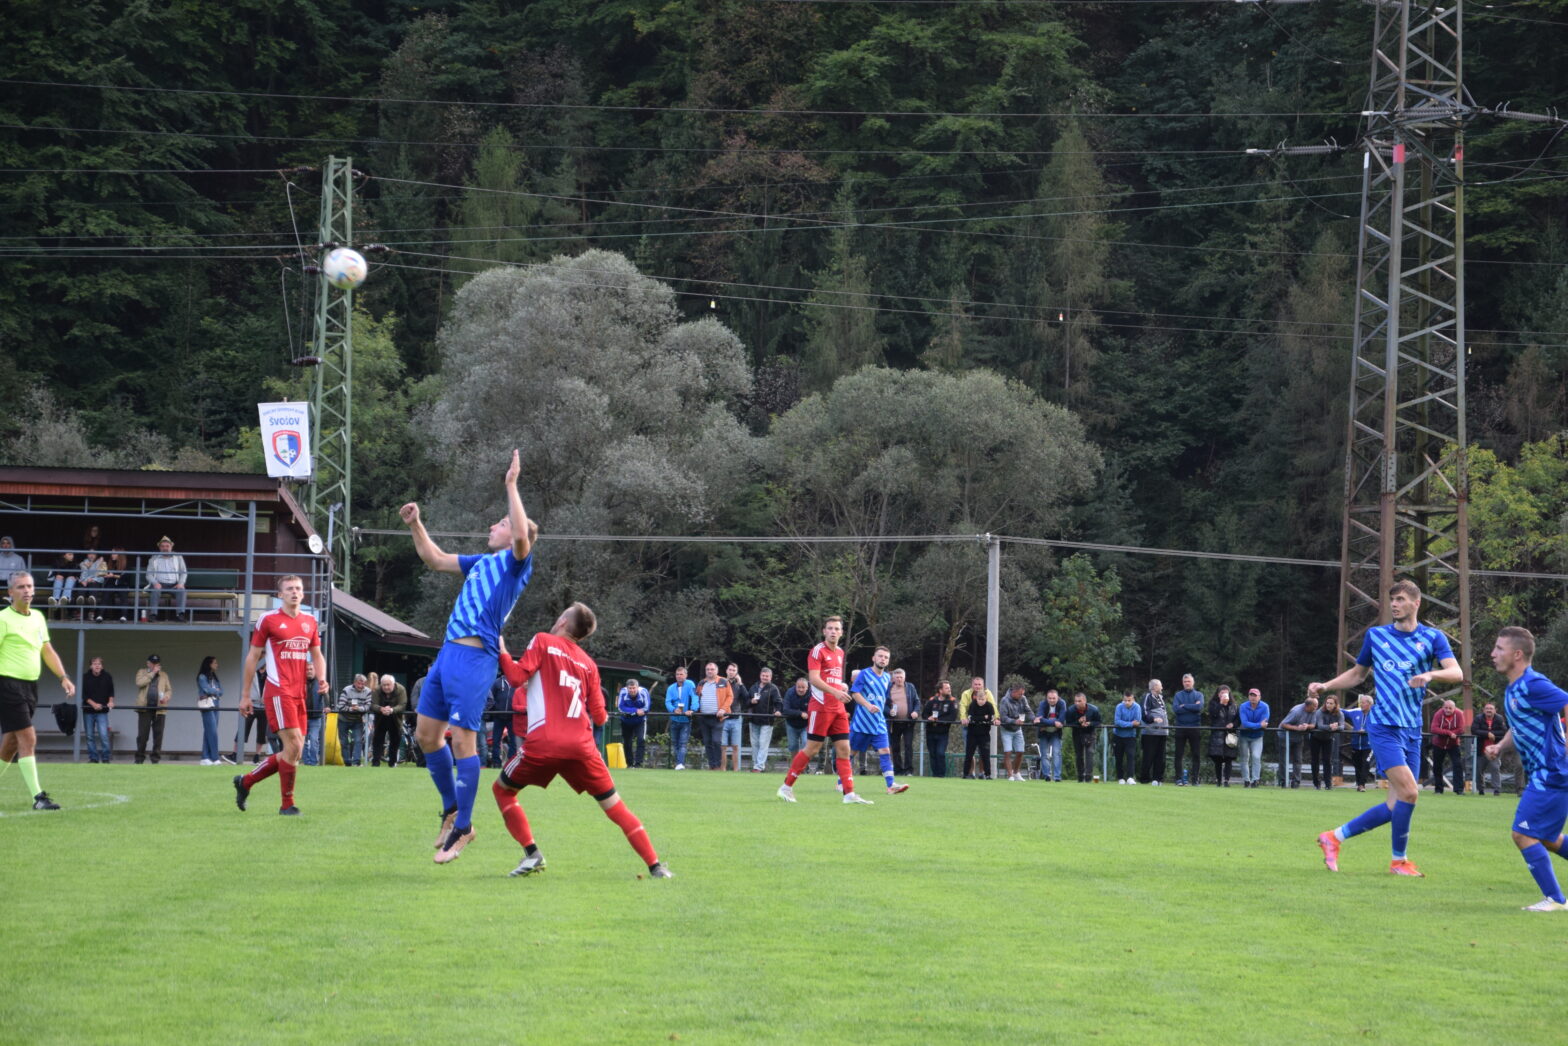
(946, 711)
(1222, 719)
(795, 704)
(1090, 716)
(768, 698)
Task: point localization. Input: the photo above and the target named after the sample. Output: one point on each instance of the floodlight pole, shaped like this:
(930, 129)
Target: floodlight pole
(332, 428)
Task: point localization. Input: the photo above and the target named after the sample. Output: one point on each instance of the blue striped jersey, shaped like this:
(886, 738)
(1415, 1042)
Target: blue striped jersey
(1535, 707)
(492, 584)
(1394, 656)
(871, 685)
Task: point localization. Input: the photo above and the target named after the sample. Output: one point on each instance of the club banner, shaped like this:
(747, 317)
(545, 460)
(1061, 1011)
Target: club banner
(285, 439)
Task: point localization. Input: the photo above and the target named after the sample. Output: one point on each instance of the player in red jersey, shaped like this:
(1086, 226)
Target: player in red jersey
(827, 718)
(290, 641)
(562, 697)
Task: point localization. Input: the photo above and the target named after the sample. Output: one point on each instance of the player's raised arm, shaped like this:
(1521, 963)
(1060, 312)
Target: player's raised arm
(428, 550)
(1352, 676)
(522, 532)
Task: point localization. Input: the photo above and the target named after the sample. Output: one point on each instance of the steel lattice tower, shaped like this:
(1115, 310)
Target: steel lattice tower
(332, 431)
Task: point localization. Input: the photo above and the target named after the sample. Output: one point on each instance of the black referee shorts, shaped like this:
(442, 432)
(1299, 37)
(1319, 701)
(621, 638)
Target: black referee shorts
(18, 702)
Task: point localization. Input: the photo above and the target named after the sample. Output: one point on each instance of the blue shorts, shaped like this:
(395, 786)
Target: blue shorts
(1012, 738)
(459, 685)
(1542, 812)
(863, 742)
(1395, 746)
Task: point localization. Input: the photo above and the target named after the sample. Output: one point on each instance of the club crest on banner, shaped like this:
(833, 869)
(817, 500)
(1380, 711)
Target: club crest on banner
(285, 439)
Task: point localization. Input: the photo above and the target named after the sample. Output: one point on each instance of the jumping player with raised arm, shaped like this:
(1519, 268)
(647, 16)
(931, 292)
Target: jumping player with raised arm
(868, 719)
(564, 704)
(826, 716)
(1535, 730)
(1403, 657)
(460, 680)
(290, 640)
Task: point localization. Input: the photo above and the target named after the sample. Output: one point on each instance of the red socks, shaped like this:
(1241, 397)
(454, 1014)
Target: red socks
(512, 814)
(268, 767)
(636, 834)
(797, 766)
(286, 773)
(845, 778)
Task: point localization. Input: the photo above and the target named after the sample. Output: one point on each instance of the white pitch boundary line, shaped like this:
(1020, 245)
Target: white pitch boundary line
(111, 798)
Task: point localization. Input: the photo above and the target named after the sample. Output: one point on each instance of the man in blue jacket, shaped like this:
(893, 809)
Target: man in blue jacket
(1187, 714)
(1254, 717)
(633, 703)
(680, 697)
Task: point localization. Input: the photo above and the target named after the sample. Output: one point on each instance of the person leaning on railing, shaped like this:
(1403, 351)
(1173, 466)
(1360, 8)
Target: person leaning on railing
(1224, 717)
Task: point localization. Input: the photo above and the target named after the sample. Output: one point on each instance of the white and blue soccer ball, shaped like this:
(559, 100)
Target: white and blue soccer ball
(345, 268)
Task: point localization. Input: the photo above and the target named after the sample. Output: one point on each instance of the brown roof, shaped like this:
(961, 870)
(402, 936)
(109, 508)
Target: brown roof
(148, 483)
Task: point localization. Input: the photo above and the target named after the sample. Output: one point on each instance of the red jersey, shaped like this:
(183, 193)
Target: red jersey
(827, 662)
(288, 642)
(562, 685)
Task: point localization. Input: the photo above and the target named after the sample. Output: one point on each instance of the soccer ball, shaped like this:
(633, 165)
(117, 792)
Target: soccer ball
(345, 269)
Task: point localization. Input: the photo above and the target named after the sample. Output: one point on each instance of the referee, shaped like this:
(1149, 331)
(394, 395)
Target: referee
(24, 636)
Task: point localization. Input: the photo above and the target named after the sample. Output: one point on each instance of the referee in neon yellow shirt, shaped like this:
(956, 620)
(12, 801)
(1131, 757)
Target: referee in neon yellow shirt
(24, 645)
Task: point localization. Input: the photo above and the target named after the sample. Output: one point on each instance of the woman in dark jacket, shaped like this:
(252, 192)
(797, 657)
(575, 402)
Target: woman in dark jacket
(1222, 719)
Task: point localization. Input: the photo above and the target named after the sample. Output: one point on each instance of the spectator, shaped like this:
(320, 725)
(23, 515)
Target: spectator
(1085, 720)
(730, 727)
(903, 712)
(1156, 728)
(764, 705)
(1360, 744)
(11, 561)
(1448, 725)
(498, 710)
(977, 712)
(387, 720)
(714, 701)
(90, 585)
(116, 582)
(633, 703)
(795, 714)
(353, 702)
(411, 750)
(680, 700)
(166, 570)
(90, 538)
(97, 701)
(1051, 717)
(256, 719)
(1223, 719)
(1187, 715)
(153, 691)
(62, 579)
(1324, 741)
(1295, 727)
(1488, 728)
(1014, 712)
(315, 720)
(1124, 737)
(208, 691)
(1254, 716)
(941, 712)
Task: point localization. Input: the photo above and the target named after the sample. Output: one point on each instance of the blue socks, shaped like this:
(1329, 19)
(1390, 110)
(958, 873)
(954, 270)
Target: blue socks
(1539, 861)
(467, 789)
(1401, 821)
(887, 768)
(1372, 817)
(439, 763)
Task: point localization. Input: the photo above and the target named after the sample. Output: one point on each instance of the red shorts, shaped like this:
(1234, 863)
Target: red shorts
(584, 771)
(283, 712)
(827, 719)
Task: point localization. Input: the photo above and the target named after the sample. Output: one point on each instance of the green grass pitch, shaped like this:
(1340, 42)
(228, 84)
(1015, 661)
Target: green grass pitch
(961, 911)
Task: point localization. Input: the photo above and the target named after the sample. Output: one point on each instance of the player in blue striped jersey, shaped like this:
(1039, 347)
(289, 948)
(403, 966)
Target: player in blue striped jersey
(868, 723)
(469, 660)
(1403, 658)
(1535, 730)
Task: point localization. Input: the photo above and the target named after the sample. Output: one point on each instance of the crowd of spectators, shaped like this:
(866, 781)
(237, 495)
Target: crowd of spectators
(730, 718)
(87, 583)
